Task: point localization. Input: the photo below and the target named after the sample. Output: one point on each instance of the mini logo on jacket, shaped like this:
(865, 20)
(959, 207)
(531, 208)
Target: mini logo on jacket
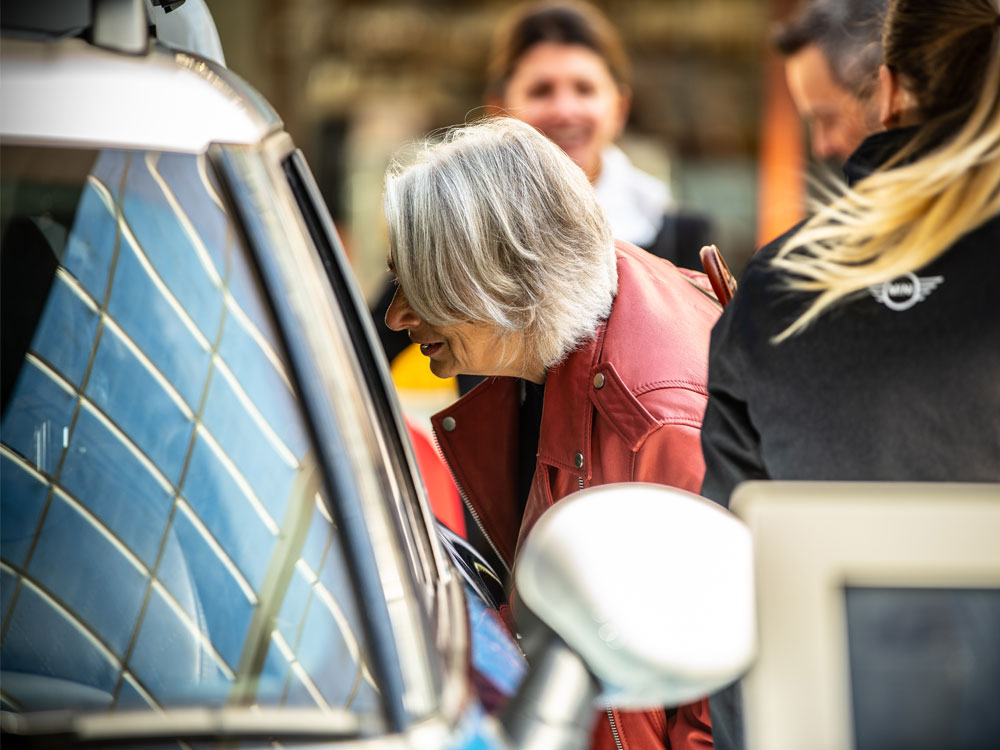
(905, 291)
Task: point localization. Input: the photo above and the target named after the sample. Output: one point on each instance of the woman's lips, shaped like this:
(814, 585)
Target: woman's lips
(429, 349)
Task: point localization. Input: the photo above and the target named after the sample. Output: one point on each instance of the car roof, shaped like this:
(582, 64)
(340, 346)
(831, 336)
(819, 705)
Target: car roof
(70, 92)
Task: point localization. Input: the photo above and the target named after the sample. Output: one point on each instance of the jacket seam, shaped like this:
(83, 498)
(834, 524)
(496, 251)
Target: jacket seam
(689, 385)
(687, 421)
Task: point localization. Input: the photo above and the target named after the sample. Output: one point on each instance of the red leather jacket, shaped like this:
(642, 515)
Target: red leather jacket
(625, 406)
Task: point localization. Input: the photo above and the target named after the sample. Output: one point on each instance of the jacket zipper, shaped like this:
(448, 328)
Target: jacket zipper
(614, 729)
(611, 716)
(468, 505)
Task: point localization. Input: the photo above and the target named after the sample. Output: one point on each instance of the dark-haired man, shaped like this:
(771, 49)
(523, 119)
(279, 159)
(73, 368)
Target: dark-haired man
(832, 51)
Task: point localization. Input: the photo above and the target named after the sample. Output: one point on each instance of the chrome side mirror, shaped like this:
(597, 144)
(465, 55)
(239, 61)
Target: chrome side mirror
(650, 585)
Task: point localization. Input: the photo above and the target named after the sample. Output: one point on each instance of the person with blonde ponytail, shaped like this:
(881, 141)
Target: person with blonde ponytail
(865, 343)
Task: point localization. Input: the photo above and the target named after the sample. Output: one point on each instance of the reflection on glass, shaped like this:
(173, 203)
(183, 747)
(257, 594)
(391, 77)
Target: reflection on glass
(164, 540)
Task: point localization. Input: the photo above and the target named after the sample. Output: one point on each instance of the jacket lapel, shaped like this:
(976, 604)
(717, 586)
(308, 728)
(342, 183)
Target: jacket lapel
(566, 410)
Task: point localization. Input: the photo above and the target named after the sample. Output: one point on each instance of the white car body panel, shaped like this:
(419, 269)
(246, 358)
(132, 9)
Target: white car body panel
(69, 92)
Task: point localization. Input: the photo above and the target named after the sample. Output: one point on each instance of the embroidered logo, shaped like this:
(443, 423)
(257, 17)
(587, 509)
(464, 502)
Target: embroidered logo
(904, 292)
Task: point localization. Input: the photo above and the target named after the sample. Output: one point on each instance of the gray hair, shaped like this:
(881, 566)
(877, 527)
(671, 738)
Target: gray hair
(847, 32)
(494, 224)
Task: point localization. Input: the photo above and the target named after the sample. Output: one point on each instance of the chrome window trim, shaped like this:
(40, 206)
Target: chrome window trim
(319, 348)
(426, 549)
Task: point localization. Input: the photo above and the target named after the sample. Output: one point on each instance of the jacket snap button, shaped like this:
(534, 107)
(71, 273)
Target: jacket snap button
(448, 423)
(578, 460)
(599, 381)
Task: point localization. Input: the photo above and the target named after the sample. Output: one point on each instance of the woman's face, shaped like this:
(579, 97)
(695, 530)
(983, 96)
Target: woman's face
(568, 93)
(461, 349)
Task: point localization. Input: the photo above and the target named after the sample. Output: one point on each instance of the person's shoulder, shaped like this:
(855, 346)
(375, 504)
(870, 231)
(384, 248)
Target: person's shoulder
(658, 331)
(761, 278)
(647, 280)
(762, 307)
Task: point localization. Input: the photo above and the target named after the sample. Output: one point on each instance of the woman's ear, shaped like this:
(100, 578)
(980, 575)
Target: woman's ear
(897, 105)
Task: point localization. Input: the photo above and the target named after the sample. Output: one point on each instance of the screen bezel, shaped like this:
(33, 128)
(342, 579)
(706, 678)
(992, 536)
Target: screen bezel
(814, 539)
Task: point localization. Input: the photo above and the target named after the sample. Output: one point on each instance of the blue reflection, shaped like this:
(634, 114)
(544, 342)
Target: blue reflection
(63, 669)
(245, 289)
(317, 539)
(223, 609)
(65, 333)
(296, 599)
(333, 576)
(116, 486)
(38, 412)
(180, 172)
(91, 243)
(246, 444)
(273, 676)
(131, 396)
(105, 413)
(366, 698)
(139, 307)
(109, 167)
(85, 571)
(8, 582)
(169, 249)
(494, 655)
(297, 694)
(268, 391)
(129, 696)
(170, 662)
(326, 657)
(222, 506)
(22, 498)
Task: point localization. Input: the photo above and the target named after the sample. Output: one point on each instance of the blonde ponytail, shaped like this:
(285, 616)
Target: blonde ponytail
(906, 215)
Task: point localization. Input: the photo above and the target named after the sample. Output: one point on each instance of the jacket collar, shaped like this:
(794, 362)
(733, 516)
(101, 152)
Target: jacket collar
(874, 151)
(564, 440)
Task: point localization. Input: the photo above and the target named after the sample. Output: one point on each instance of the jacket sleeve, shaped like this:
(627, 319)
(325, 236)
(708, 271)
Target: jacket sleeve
(729, 442)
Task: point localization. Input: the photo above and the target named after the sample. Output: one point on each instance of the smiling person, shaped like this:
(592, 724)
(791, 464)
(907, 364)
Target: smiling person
(595, 352)
(560, 66)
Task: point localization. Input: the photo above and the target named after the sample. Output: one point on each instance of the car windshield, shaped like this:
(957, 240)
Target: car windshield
(165, 538)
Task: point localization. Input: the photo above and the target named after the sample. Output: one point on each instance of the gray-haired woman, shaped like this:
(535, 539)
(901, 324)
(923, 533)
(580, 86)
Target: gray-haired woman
(597, 350)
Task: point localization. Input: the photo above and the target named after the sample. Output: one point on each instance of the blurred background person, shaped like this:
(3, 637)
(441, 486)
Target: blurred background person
(832, 51)
(560, 66)
(595, 351)
(863, 345)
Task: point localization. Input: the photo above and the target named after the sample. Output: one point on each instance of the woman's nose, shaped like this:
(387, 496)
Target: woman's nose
(399, 316)
(565, 104)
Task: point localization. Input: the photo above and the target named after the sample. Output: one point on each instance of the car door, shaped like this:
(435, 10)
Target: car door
(210, 518)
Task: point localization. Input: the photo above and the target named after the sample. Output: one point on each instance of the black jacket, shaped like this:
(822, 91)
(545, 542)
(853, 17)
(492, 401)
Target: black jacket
(899, 383)
(897, 387)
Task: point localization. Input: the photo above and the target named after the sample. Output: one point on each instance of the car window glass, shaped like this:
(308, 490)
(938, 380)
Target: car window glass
(165, 540)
